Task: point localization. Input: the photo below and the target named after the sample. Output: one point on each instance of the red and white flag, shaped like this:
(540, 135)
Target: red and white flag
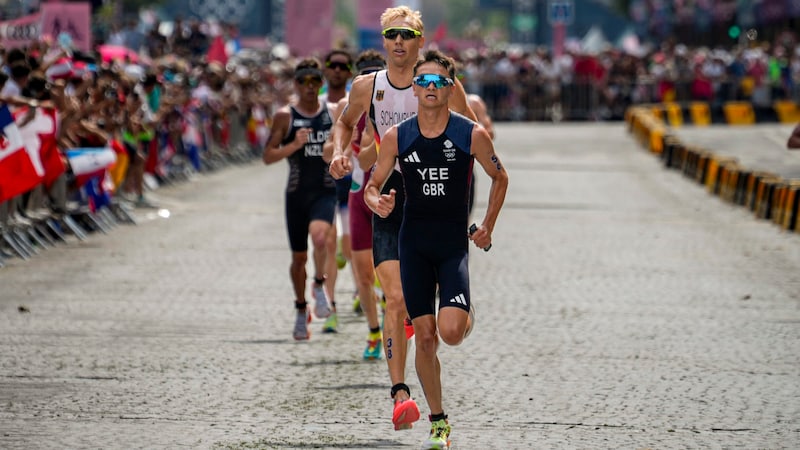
(19, 172)
(39, 137)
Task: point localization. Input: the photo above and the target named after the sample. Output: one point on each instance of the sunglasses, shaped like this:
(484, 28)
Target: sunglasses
(308, 80)
(338, 65)
(438, 81)
(404, 32)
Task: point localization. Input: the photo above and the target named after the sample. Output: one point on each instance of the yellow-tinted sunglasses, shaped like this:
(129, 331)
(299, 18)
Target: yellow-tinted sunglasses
(404, 32)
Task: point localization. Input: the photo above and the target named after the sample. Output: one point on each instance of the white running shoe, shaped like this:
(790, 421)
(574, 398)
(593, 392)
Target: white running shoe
(301, 322)
(322, 307)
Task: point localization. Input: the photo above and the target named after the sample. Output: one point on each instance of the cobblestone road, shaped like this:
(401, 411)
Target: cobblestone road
(620, 307)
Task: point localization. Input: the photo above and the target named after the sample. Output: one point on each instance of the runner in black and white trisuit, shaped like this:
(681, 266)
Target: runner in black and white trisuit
(298, 134)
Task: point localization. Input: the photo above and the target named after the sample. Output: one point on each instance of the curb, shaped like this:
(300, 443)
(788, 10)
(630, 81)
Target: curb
(766, 194)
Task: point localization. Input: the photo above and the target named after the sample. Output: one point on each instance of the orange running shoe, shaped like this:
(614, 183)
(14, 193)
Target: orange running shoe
(405, 414)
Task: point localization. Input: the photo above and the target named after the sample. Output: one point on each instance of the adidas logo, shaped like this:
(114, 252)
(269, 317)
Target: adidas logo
(459, 299)
(412, 158)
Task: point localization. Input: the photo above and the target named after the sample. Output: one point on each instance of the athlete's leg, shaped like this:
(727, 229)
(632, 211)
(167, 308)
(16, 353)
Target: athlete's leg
(321, 214)
(454, 301)
(387, 264)
(394, 336)
(297, 227)
(344, 218)
(453, 324)
(360, 226)
(364, 274)
(297, 271)
(420, 277)
(319, 230)
(345, 244)
(331, 270)
(427, 362)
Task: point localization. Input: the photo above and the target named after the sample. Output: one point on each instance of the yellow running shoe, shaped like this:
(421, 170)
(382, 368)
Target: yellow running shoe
(374, 344)
(440, 436)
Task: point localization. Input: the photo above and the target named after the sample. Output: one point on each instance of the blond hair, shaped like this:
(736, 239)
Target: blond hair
(414, 18)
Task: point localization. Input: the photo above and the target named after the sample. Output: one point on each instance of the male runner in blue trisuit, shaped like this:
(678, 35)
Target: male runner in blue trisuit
(435, 151)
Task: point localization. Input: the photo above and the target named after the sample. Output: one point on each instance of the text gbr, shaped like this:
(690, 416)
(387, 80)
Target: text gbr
(432, 177)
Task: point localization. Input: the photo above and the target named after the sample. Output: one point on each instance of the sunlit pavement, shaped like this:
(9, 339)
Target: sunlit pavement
(621, 306)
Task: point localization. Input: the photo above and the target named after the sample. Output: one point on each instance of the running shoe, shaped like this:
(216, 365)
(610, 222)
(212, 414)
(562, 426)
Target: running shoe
(357, 305)
(440, 436)
(301, 331)
(322, 307)
(374, 344)
(471, 320)
(405, 413)
(331, 324)
(340, 260)
(409, 327)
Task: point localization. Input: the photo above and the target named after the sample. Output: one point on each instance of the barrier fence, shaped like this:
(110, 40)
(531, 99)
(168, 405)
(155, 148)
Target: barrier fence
(27, 229)
(541, 100)
(767, 195)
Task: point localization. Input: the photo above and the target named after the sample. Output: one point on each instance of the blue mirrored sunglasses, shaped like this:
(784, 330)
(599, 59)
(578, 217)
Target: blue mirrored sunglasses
(404, 32)
(439, 81)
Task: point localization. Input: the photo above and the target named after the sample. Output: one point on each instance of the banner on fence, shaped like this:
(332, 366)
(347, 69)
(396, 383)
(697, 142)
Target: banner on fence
(53, 20)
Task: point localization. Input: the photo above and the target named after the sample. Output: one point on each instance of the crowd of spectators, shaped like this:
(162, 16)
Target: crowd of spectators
(600, 85)
(165, 113)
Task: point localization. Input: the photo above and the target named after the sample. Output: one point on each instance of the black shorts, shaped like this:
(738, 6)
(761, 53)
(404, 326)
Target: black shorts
(434, 253)
(386, 229)
(384, 240)
(301, 209)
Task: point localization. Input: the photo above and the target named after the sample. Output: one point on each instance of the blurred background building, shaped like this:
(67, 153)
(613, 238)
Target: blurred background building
(468, 23)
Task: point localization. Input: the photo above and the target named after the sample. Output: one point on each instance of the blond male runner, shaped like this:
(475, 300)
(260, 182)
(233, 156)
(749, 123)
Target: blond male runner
(388, 98)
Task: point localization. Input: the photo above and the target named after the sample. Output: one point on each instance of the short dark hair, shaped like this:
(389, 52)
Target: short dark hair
(308, 63)
(308, 66)
(439, 58)
(337, 51)
(370, 58)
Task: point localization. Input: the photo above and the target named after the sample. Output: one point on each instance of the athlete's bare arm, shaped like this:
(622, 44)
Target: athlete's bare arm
(369, 150)
(358, 102)
(483, 151)
(327, 147)
(458, 102)
(382, 204)
(481, 112)
(274, 151)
